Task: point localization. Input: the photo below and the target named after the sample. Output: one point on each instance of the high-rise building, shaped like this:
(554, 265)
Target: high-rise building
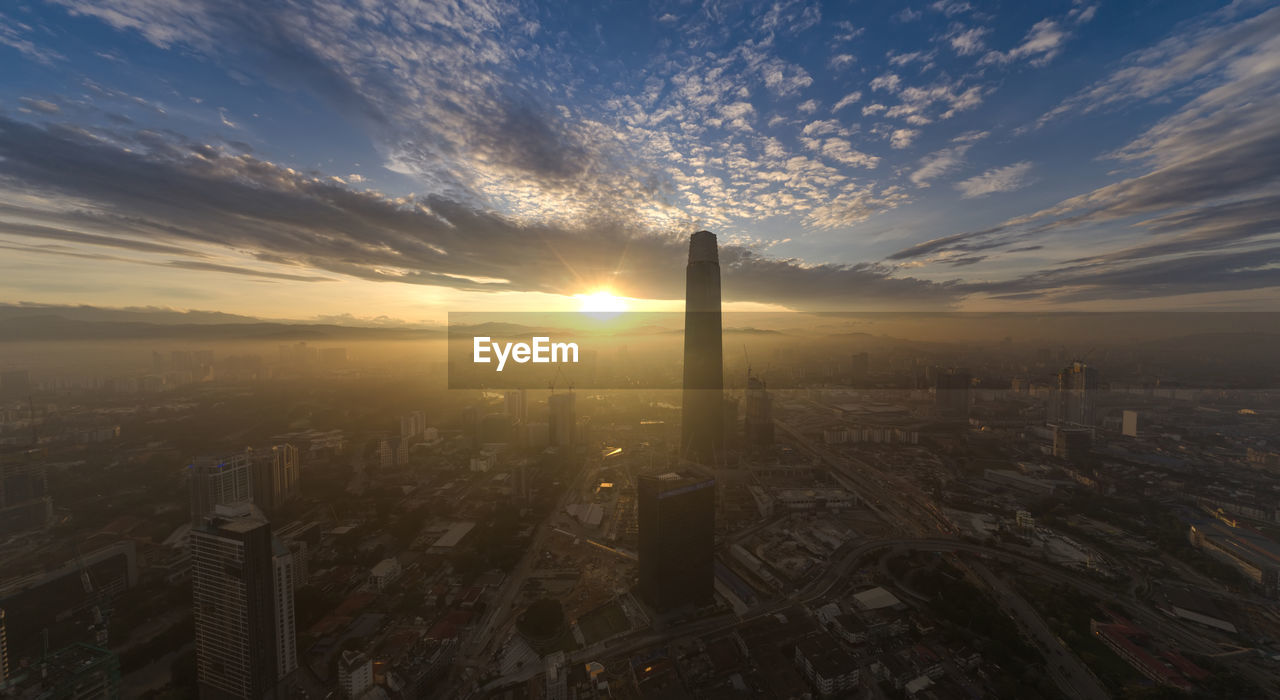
(355, 674)
(276, 476)
(284, 572)
(1129, 424)
(676, 519)
(556, 671)
(516, 404)
(951, 387)
(1072, 443)
(4, 650)
(562, 419)
(702, 430)
(219, 481)
(413, 424)
(25, 503)
(233, 582)
(758, 424)
(860, 370)
(1077, 389)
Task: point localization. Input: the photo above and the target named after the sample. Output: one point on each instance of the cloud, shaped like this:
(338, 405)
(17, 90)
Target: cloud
(907, 15)
(14, 35)
(1006, 179)
(903, 59)
(790, 17)
(1192, 274)
(1041, 45)
(888, 81)
(1206, 50)
(842, 151)
(840, 61)
(41, 106)
(1083, 14)
(951, 8)
(845, 101)
(901, 138)
(1199, 210)
(967, 41)
(151, 194)
(938, 163)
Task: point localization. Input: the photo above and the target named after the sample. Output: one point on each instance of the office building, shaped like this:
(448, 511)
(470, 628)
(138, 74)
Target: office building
(758, 423)
(284, 580)
(563, 420)
(413, 424)
(702, 430)
(233, 583)
(25, 503)
(1076, 394)
(676, 538)
(219, 481)
(393, 452)
(1072, 443)
(951, 392)
(1129, 424)
(516, 405)
(276, 476)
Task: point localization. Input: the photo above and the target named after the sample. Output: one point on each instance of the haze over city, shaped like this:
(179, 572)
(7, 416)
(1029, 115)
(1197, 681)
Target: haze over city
(390, 349)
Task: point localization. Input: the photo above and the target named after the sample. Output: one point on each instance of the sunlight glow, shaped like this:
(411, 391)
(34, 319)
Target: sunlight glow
(600, 301)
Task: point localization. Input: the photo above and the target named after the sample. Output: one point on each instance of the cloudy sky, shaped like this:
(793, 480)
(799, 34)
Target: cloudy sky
(402, 159)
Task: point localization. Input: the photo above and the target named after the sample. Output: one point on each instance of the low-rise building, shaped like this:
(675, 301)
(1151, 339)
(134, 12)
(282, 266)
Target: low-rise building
(827, 665)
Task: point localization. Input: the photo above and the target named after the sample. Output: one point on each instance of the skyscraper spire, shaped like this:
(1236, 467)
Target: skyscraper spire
(702, 422)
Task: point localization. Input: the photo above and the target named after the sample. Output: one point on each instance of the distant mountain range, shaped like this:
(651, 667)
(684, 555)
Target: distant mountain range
(29, 323)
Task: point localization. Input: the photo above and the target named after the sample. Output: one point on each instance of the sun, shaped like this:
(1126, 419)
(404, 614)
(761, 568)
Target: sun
(600, 301)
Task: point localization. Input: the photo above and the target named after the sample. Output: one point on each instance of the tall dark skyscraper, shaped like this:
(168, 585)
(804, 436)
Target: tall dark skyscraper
(702, 426)
(233, 583)
(676, 514)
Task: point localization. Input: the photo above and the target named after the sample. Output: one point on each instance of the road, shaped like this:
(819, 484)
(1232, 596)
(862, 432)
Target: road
(1071, 676)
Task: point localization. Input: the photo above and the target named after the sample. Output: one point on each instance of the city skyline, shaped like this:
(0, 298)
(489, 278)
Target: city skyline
(318, 161)
(693, 348)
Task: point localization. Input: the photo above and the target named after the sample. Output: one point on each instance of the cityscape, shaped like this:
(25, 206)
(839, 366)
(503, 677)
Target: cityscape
(400, 349)
(905, 519)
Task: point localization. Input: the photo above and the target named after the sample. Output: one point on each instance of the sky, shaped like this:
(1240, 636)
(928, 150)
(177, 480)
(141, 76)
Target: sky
(394, 161)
